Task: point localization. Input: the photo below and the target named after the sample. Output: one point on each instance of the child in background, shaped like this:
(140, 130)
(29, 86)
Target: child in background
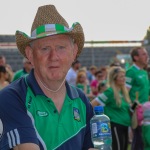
(83, 84)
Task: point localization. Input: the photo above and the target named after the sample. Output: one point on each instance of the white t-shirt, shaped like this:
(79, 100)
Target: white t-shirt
(71, 76)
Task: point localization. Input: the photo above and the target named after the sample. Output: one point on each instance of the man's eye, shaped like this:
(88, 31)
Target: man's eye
(45, 48)
(60, 47)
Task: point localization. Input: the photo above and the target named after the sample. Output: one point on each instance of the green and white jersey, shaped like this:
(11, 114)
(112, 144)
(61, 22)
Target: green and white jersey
(81, 86)
(137, 81)
(33, 117)
(117, 114)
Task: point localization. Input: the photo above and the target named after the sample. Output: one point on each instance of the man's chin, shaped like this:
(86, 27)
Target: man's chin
(56, 78)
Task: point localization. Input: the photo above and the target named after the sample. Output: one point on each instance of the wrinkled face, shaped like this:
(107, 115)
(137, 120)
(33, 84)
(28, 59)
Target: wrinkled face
(120, 79)
(143, 57)
(52, 56)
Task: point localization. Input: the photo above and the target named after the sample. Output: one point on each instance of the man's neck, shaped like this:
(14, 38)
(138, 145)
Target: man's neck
(57, 97)
(139, 65)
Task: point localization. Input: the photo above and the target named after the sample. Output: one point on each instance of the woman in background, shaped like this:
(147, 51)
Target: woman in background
(116, 101)
(83, 84)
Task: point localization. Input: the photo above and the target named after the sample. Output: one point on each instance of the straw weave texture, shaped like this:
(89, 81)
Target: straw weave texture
(49, 15)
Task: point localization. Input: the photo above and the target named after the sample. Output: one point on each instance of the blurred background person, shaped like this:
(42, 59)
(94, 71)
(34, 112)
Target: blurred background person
(27, 66)
(137, 81)
(7, 67)
(116, 102)
(104, 70)
(83, 84)
(72, 73)
(99, 77)
(146, 125)
(3, 77)
(102, 87)
(91, 73)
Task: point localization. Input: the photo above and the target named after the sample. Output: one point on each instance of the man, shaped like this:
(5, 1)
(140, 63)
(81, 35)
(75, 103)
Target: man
(41, 111)
(137, 82)
(72, 73)
(27, 66)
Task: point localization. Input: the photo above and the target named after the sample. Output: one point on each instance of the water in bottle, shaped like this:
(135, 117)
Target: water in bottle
(101, 130)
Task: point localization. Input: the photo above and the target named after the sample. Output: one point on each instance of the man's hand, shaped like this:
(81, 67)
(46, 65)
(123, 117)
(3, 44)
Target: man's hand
(27, 146)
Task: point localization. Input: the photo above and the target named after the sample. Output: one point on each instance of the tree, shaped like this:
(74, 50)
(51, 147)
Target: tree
(147, 36)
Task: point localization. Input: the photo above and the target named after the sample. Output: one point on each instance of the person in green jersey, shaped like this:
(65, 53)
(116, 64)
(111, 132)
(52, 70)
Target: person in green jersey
(117, 103)
(83, 84)
(27, 66)
(137, 82)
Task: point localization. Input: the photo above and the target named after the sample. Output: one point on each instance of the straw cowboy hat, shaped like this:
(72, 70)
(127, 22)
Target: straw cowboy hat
(48, 22)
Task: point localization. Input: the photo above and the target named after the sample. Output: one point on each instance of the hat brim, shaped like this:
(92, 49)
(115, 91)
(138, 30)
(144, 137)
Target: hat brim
(23, 40)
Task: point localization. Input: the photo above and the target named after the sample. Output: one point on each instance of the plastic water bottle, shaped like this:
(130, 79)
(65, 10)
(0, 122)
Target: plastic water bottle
(101, 130)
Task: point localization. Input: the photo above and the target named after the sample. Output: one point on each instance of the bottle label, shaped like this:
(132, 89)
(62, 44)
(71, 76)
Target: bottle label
(101, 129)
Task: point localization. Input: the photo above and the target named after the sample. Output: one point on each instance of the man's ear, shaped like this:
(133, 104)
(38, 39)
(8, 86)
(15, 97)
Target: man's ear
(29, 54)
(136, 58)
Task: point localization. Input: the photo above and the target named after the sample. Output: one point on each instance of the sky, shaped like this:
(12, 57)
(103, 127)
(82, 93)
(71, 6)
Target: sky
(102, 20)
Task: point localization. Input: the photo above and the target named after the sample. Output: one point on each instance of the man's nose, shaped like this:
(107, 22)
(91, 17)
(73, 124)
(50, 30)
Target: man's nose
(53, 54)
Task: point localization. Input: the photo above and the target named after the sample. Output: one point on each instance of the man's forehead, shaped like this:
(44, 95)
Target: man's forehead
(54, 37)
(142, 50)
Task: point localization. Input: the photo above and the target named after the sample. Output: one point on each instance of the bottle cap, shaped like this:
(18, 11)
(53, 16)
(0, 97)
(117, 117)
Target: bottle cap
(99, 109)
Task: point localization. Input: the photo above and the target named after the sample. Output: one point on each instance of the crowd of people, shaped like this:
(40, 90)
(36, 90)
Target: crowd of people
(49, 102)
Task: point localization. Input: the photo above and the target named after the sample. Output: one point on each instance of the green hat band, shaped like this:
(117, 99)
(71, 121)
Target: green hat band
(49, 29)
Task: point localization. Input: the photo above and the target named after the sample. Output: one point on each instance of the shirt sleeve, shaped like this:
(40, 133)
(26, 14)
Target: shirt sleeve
(105, 97)
(16, 126)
